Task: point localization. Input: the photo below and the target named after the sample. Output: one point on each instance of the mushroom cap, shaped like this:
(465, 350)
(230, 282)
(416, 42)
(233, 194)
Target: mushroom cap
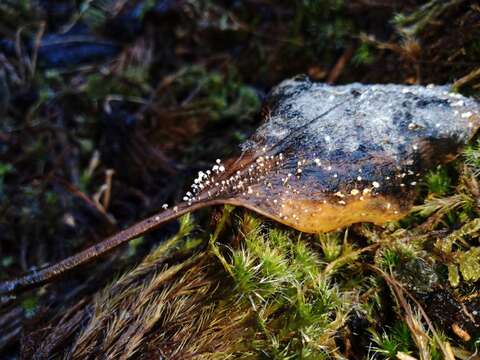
(329, 156)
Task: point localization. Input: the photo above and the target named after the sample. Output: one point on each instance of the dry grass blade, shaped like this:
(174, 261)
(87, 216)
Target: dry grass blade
(466, 79)
(114, 312)
(437, 208)
(413, 321)
(174, 312)
(346, 258)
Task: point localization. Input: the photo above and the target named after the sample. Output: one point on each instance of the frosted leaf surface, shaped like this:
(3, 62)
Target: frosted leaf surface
(332, 119)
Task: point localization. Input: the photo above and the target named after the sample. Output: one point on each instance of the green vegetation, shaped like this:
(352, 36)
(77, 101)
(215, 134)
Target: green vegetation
(438, 182)
(90, 148)
(397, 339)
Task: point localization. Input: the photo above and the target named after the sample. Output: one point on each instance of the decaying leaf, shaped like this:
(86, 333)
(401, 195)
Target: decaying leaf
(329, 156)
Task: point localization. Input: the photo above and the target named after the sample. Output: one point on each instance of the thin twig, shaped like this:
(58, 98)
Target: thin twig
(399, 289)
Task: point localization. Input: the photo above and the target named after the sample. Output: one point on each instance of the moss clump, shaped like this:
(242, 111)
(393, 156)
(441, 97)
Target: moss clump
(298, 308)
(438, 182)
(395, 339)
(472, 158)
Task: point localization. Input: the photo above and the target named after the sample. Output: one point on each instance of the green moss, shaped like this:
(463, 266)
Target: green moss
(279, 276)
(5, 169)
(331, 245)
(472, 157)
(305, 261)
(453, 275)
(390, 259)
(30, 305)
(447, 243)
(324, 23)
(395, 339)
(133, 83)
(218, 95)
(364, 54)
(469, 263)
(7, 261)
(438, 181)
(134, 244)
(245, 273)
(419, 20)
(95, 12)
